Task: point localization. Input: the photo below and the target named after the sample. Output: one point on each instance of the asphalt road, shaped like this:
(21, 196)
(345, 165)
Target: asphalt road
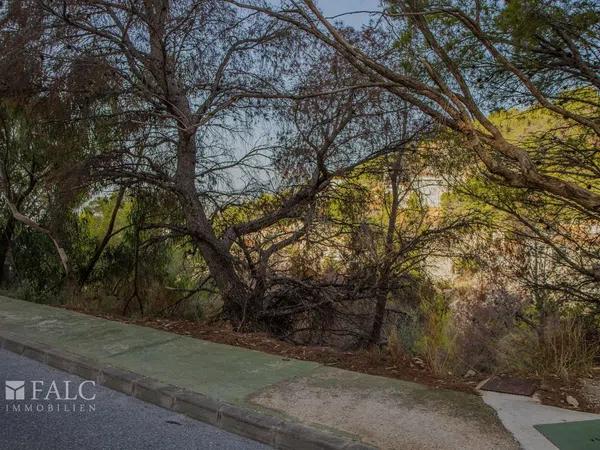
(110, 421)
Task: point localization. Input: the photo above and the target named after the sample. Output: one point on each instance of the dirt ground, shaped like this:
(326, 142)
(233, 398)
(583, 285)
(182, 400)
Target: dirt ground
(586, 392)
(389, 414)
(552, 391)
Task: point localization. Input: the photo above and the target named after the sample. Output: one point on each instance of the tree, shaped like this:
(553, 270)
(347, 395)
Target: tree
(54, 118)
(450, 57)
(197, 71)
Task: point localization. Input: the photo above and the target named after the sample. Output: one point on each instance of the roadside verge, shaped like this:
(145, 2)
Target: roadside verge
(284, 402)
(277, 432)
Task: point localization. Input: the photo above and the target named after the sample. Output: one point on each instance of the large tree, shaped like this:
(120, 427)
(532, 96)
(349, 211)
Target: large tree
(198, 72)
(456, 60)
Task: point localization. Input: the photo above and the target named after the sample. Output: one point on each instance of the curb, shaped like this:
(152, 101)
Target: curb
(277, 432)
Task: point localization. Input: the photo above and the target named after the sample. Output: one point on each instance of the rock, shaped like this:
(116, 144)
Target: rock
(470, 373)
(419, 362)
(572, 401)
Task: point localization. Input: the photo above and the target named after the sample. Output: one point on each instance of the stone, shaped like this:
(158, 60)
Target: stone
(249, 423)
(572, 401)
(197, 406)
(418, 361)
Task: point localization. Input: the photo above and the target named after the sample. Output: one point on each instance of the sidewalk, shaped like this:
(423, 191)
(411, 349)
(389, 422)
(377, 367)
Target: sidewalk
(285, 403)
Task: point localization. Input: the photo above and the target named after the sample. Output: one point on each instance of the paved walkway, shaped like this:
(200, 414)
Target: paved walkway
(519, 414)
(386, 413)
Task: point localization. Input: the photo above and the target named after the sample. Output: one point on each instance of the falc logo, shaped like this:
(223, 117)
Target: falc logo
(67, 390)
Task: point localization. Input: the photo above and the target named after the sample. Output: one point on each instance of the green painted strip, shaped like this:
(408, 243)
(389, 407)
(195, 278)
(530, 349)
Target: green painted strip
(226, 372)
(573, 435)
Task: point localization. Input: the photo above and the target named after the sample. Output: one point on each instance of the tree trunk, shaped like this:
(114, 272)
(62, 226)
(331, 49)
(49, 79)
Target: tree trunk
(87, 270)
(234, 292)
(379, 316)
(5, 241)
(382, 286)
(236, 296)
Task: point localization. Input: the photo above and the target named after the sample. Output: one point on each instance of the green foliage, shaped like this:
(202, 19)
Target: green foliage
(529, 21)
(437, 341)
(36, 263)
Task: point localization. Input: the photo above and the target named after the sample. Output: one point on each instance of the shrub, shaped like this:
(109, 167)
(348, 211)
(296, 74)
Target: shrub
(29, 291)
(560, 348)
(483, 315)
(403, 333)
(396, 348)
(437, 341)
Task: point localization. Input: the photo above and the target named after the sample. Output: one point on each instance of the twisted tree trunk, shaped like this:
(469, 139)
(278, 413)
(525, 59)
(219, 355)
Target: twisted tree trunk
(236, 295)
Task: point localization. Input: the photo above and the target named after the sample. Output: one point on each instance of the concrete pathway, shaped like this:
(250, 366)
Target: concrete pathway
(519, 414)
(386, 413)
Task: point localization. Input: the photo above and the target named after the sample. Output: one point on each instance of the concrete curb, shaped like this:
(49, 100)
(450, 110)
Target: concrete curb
(277, 432)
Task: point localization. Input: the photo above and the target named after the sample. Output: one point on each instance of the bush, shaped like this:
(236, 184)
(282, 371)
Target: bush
(29, 291)
(402, 336)
(558, 348)
(483, 315)
(437, 341)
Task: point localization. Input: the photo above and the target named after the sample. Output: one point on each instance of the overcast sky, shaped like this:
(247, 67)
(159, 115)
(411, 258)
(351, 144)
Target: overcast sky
(335, 7)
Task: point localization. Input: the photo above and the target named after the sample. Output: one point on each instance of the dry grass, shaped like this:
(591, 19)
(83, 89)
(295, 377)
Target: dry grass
(396, 349)
(437, 342)
(560, 348)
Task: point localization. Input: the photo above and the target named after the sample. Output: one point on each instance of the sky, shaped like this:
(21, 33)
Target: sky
(335, 7)
(353, 13)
